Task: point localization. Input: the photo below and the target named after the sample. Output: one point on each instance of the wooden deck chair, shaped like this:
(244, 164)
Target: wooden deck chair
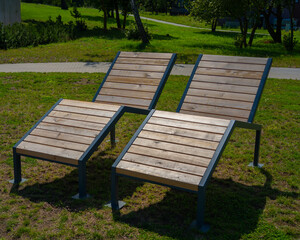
(72, 130)
(182, 149)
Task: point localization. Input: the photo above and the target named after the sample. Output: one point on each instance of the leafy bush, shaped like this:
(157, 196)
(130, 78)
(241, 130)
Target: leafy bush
(35, 33)
(288, 42)
(133, 33)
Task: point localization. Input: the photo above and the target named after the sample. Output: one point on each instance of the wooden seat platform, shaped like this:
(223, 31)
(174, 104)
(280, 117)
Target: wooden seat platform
(68, 130)
(181, 150)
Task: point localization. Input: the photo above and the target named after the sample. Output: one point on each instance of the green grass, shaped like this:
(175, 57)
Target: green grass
(242, 202)
(98, 45)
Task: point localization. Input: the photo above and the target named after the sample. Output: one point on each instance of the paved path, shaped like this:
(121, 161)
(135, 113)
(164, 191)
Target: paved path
(93, 67)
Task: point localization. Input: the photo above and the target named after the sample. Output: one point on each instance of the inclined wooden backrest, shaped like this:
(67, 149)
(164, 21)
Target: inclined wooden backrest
(134, 78)
(225, 87)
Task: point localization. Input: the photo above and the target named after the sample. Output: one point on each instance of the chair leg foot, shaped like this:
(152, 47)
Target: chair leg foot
(259, 165)
(203, 228)
(14, 182)
(120, 204)
(78, 197)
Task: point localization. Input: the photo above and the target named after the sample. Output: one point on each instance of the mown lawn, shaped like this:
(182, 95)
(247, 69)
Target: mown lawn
(99, 45)
(242, 202)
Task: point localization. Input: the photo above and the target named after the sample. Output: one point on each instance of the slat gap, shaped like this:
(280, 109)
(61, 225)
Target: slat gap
(50, 145)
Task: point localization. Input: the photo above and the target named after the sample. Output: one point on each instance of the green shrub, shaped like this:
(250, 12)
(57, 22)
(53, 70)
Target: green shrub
(133, 33)
(288, 43)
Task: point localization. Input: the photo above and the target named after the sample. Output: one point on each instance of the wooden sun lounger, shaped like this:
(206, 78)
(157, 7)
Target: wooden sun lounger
(71, 130)
(182, 149)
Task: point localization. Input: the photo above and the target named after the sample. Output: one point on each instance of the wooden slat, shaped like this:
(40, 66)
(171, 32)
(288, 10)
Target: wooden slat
(214, 115)
(61, 136)
(187, 125)
(146, 55)
(216, 110)
(86, 111)
(139, 67)
(227, 80)
(163, 176)
(133, 80)
(178, 157)
(221, 95)
(48, 152)
(183, 132)
(165, 164)
(229, 73)
(178, 139)
(218, 102)
(174, 147)
(80, 117)
(136, 74)
(224, 87)
(147, 61)
(74, 123)
(127, 93)
(56, 143)
(139, 87)
(232, 66)
(92, 105)
(183, 117)
(66, 129)
(124, 100)
(234, 59)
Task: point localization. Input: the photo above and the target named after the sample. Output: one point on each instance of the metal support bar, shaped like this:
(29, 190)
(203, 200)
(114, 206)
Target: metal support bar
(256, 151)
(17, 168)
(113, 136)
(115, 204)
(82, 182)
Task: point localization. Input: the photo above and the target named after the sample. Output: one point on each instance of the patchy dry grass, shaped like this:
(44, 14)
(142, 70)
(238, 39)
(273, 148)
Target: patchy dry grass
(242, 202)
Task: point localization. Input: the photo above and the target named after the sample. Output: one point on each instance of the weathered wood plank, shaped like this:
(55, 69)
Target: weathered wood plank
(222, 95)
(66, 129)
(92, 105)
(80, 117)
(214, 115)
(139, 67)
(165, 164)
(136, 74)
(73, 123)
(227, 80)
(218, 102)
(163, 176)
(133, 80)
(173, 156)
(146, 55)
(187, 125)
(234, 59)
(232, 66)
(124, 100)
(183, 132)
(199, 119)
(56, 143)
(126, 93)
(62, 136)
(178, 139)
(48, 152)
(147, 61)
(127, 86)
(86, 111)
(224, 87)
(174, 147)
(229, 73)
(216, 110)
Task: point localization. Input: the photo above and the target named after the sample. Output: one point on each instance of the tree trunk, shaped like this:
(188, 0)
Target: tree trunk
(105, 19)
(214, 25)
(117, 14)
(253, 33)
(139, 22)
(276, 36)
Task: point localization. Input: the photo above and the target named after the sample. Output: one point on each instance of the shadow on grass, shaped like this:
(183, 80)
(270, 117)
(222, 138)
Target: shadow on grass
(232, 209)
(60, 191)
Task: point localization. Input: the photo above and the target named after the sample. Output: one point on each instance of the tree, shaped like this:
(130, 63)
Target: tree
(139, 23)
(291, 8)
(63, 5)
(207, 10)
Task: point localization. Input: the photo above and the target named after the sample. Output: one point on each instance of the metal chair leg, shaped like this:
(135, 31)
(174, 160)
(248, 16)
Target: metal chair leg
(114, 203)
(113, 137)
(82, 182)
(256, 151)
(17, 169)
